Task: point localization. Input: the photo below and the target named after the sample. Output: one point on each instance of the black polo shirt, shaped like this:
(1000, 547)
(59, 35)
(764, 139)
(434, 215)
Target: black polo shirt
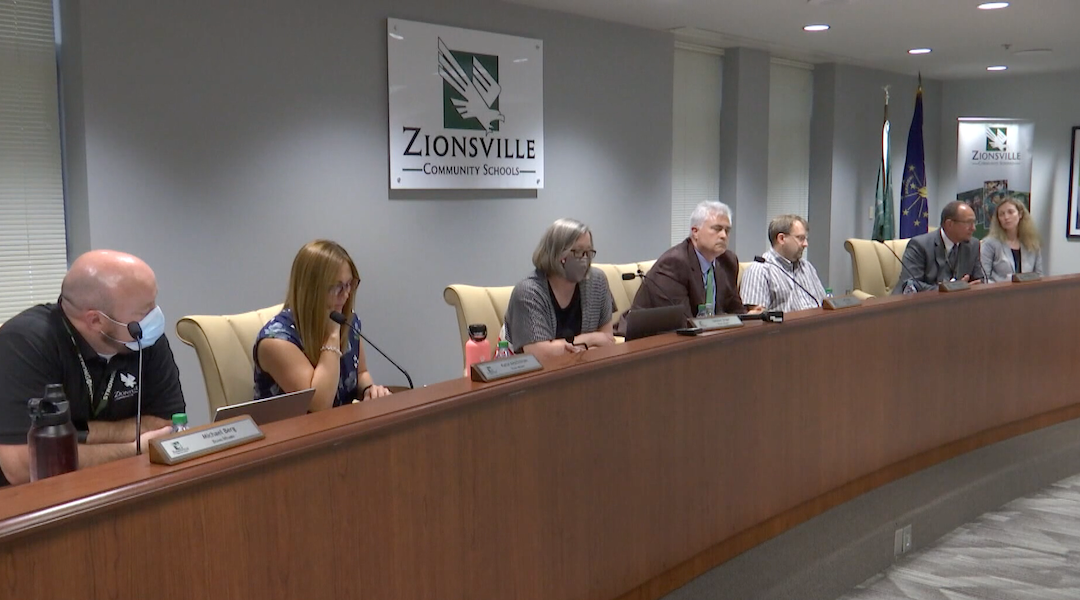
(39, 346)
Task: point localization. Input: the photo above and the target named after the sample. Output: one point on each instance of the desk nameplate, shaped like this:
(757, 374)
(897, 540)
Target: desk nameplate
(953, 286)
(1025, 277)
(718, 322)
(192, 443)
(493, 370)
(838, 302)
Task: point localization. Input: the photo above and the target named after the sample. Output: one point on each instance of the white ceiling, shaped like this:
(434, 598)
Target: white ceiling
(872, 33)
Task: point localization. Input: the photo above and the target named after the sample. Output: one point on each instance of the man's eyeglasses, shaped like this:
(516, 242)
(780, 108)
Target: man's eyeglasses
(579, 254)
(341, 287)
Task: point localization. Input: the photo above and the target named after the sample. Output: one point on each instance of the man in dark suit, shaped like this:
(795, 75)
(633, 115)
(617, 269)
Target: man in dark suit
(944, 255)
(699, 270)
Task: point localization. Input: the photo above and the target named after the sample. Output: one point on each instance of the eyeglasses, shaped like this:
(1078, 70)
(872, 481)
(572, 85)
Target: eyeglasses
(341, 287)
(579, 254)
(799, 238)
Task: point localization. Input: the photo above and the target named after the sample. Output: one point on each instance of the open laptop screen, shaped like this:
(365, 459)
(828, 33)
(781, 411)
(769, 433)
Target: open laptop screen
(268, 410)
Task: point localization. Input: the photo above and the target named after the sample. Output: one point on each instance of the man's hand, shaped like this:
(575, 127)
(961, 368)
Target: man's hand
(150, 435)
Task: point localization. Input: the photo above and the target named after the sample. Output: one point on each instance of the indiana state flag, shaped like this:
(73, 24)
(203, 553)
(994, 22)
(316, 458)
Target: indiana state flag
(914, 209)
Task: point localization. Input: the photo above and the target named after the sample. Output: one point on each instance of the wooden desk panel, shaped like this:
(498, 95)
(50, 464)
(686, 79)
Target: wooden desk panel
(621, 472)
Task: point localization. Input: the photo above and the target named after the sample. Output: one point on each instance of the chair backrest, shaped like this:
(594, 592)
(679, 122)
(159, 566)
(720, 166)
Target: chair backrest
(224, 344)
(875, 270)
(474, 305)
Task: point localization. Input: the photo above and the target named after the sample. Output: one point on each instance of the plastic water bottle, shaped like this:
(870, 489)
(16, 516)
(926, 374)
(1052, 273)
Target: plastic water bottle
(828, 293)
(503, 350)
(51, 441)
(478, 348)
(909, 287)
(179, 422)
(703, 311)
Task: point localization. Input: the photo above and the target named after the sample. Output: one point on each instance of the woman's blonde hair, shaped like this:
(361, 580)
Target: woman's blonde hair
(314, 272)
(1025, 228)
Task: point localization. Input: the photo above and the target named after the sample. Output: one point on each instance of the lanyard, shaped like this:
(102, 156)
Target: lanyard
(101, 404)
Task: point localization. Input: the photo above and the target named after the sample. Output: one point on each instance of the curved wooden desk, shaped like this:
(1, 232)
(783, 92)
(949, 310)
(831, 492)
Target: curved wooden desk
(622, 472)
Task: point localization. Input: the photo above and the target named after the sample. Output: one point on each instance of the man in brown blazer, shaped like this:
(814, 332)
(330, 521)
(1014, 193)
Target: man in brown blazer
(679, 276)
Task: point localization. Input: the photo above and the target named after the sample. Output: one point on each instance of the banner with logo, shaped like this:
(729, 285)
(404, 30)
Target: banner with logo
(466, 108)
(993, 161)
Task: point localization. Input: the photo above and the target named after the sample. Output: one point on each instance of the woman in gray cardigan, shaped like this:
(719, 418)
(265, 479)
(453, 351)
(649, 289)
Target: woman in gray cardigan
(564, 306)
(1013, 245)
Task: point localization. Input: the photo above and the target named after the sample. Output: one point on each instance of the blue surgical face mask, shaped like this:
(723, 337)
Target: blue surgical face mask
(153, 326)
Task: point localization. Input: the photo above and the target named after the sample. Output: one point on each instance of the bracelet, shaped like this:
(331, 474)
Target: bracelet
(333, 349)
(81, 436)
(364, 391)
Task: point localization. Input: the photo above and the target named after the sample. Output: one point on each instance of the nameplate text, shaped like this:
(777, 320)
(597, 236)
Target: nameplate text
(200, 441)
(717, 322)
(953, 286)
(493, 370)
(838, 302)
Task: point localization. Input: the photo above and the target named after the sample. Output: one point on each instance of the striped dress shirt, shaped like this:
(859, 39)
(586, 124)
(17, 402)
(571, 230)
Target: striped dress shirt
(767, 285)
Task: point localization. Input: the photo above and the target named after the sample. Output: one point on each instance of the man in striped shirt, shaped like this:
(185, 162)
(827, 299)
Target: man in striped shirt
(783, 280)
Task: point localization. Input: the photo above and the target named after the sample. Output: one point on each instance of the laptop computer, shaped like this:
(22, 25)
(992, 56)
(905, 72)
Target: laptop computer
(643, 322)
(268, 410)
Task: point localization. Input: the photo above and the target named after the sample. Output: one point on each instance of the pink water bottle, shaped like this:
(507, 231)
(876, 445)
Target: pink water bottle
(478, 348)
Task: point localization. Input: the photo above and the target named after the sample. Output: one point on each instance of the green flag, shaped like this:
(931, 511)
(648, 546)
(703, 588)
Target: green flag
(883, 193)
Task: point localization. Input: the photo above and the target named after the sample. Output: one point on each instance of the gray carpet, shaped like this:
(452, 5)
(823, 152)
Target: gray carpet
(1027, 549)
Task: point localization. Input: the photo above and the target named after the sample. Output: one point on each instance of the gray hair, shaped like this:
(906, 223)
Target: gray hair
(558, 238)
(783, 224)
(708, 208)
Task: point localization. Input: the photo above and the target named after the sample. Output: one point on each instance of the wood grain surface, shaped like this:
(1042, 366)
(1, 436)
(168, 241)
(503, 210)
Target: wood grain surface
(619, 473)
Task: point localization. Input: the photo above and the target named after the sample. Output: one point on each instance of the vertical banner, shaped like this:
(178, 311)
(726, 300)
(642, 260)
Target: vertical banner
(993, 161)
(466, 108)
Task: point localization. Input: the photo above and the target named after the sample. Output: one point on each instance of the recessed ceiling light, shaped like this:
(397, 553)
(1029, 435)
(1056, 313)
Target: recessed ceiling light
(997, 68)
(919, 51)
(819, 27)
(993, 5)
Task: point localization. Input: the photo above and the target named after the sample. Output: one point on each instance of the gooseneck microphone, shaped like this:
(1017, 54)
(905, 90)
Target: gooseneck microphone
(761, 260)
(341, 319)
(136, 334)
(900, 282)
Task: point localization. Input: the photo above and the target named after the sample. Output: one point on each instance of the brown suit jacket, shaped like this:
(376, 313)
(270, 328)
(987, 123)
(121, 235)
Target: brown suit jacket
(676, 279)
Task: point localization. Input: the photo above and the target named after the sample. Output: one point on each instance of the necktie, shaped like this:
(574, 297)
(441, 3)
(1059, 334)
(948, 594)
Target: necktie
(710, 288)
(953, 259)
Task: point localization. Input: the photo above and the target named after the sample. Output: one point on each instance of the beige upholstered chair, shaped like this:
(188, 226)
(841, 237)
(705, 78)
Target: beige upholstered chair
(623, 292)
(223, 344)
(474, 304)
(875, 270)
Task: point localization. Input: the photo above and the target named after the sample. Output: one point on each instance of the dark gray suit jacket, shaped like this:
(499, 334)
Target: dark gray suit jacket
(925, 262)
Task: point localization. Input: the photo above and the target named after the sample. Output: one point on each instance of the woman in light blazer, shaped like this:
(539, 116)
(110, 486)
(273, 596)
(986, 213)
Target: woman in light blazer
(1013, 245)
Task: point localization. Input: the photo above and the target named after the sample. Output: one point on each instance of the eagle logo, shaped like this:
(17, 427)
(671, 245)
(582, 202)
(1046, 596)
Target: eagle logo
(129, 380)
(476, 97)
(996, 139)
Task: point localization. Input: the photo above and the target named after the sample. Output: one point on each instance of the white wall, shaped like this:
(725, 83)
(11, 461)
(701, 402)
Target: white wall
(845, 150)
(217, 137)
(1051, 102)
